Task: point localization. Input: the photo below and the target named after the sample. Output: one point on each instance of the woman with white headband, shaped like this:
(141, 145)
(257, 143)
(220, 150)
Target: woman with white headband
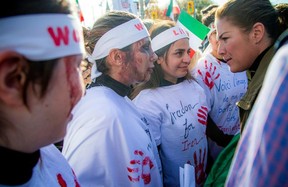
(223, 89)
(108, 142)
(41, 49)
(174, 105)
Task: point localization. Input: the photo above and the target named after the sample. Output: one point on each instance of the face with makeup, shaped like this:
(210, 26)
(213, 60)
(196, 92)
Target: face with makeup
(176, 60)
(141, 62)
(236, 46)
(136, 64)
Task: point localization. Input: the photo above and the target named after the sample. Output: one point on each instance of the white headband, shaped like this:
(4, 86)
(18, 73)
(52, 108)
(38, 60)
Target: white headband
(212, 29)
(94, 72)
(119, 37)
(167, 37)
(42, 36)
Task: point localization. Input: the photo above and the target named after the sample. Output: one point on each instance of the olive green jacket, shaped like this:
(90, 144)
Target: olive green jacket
(246, 103)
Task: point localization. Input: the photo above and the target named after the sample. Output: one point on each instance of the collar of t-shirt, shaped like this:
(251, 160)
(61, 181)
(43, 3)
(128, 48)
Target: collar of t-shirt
(16, 167)
(164, 82)
(118, 87)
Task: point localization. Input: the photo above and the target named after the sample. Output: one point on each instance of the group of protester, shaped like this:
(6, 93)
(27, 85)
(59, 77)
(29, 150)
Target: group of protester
(144, 112)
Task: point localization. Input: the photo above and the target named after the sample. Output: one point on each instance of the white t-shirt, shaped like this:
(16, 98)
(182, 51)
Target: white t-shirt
(223, 90)
(108, 144)
(52, 170)
(177, 116)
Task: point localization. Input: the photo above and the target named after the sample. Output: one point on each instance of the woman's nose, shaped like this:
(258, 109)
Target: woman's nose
(221, 50)
(153, 56)
(187, 58)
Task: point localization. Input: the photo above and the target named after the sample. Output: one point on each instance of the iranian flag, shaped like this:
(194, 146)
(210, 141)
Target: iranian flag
(172, 9)
(196, 30)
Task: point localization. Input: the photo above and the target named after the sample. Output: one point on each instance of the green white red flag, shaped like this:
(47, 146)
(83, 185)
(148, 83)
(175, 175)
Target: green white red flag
(173, 8)
(195, 29)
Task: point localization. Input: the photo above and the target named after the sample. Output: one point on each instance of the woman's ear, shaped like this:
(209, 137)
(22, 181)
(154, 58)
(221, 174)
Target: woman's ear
(160, 60)
(116, 56)
(12, 77)
(258, 32)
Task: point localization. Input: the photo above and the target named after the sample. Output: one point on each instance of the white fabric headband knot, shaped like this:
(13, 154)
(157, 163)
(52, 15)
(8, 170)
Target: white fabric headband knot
(117, 38)
(167, 37)
(42, 36)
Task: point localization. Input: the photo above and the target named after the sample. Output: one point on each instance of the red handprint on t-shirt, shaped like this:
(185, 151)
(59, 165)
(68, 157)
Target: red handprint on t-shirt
(142, 163)
(63, 183)
(209, 76)
(202, 115)
(199, 166)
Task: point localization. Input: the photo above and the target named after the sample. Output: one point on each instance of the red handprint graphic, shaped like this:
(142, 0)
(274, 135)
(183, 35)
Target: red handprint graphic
(75, 180)
(63, 183)
(202, 115)
(199, 166)
(143, 164)
(210, 76)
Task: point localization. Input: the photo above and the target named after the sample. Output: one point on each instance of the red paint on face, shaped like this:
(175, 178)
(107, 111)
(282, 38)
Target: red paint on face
(74, 81)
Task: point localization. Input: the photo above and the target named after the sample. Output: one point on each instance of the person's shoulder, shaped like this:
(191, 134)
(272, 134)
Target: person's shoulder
(146, 95)
(280, 59)
(50, 152)
(150, 98)
(282, 52)
(98, 102)
(205, 59)
(100, 95)
(194, 85)
(281, 40)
